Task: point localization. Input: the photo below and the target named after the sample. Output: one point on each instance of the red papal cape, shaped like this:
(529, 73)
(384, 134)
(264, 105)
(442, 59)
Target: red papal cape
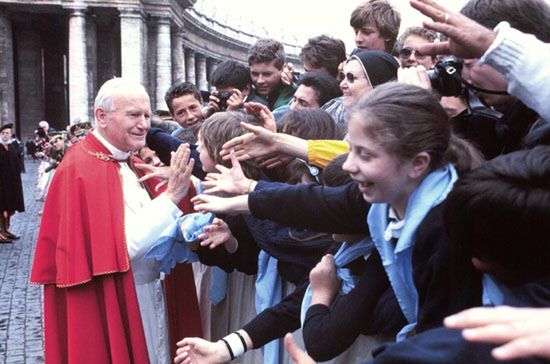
(91, 312)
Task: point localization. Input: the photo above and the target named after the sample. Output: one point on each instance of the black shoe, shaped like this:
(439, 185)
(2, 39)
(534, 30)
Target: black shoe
(4, 239)
(11, 235)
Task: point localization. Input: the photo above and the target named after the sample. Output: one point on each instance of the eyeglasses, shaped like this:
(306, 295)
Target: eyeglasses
(350, 77)
(406, 53)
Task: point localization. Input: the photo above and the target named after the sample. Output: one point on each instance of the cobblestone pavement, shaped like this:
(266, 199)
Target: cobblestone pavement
(21, 327)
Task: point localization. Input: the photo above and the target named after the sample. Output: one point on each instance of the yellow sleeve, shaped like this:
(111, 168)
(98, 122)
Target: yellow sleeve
(321, 152)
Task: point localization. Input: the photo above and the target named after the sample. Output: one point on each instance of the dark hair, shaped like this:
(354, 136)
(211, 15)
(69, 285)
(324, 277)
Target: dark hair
(383, 15)
(181, 89)
(309, 124)
(528, 16)
(220, 128)
(499, 213)
(231, 74)
(333, 175)
(324, 51)
(267, 50)
(406, 120)
(326, 87)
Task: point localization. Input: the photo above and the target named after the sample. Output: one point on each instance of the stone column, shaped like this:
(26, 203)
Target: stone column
(164, 61)
(211, 65)
(78, 70)
(202, 83)
(132, 38)
(190, 66)
(91, 39)
(7, 85)
(178, 57)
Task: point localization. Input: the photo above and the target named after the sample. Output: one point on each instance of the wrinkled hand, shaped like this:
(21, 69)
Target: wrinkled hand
(324, 282)
(467, 39)
(524, 331)
(218, 233)
(199, 351)
(260, 142)
(416, 75)
(180, 168)
(262, 112)
(297, 355)
(229, 182)
(286, 76)
(235, 101)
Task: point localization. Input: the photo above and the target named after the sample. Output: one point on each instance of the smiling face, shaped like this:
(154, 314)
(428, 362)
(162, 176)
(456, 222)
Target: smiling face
(382, 178)
(126, 125)
(187, 111)
(354, 91)
(265, 77)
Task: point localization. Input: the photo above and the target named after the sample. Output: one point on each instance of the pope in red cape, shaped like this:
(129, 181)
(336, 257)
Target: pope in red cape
(91, 307)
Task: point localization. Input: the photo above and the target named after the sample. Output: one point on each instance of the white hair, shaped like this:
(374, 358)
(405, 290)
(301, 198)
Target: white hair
(104, 98)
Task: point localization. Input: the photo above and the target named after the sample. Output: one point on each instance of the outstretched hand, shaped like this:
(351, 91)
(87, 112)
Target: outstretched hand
(162, 172)
(467, 38)
(221, 205)
(262, 112)
(229, 181)
(260, 142)
(523, 331)
(194, 350)
(218, 233)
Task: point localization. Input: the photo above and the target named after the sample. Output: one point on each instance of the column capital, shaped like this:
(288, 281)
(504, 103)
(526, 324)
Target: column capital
(131, 12)
(162, 19)
(77, 9)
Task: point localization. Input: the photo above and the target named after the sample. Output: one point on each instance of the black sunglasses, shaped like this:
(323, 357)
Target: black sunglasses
(406, 53)
(348, 76)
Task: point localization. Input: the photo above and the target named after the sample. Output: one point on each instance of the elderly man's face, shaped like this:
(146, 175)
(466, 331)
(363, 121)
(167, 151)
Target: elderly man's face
(126, 126)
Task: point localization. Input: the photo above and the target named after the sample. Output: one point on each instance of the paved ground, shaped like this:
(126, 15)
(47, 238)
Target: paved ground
(21, 329)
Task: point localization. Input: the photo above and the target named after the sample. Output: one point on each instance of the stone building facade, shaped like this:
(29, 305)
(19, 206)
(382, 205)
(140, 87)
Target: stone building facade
(54, 54)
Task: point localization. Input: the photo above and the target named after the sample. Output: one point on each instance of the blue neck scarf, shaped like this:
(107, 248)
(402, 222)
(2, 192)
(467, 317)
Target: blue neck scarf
(397, 259)
(171, 248)
(345, 255)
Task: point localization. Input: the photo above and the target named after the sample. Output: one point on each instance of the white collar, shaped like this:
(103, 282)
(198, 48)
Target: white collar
(116, 153)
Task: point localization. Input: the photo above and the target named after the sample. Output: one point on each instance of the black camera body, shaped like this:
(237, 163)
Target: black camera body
(445, 77)
(223, 97)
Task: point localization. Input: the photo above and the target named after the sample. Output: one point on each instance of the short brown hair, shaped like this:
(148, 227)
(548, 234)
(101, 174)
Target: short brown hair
(220, 128)
(267, 50)
(383, 15)
(429, 35)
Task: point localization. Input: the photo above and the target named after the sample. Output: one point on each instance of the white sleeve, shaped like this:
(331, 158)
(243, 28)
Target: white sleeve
(146, 225)
(524, 61)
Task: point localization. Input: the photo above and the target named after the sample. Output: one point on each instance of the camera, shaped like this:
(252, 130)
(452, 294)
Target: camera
(223, 97)
(445, 77)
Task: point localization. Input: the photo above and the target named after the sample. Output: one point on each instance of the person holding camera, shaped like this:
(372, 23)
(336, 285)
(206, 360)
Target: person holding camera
(233, 88)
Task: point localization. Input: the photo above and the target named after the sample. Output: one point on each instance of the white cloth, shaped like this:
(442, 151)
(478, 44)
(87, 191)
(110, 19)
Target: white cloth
(144, 220)
(524, 61)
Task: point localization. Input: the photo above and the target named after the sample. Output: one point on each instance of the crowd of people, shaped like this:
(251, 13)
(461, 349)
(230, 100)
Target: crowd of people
(362, 211)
